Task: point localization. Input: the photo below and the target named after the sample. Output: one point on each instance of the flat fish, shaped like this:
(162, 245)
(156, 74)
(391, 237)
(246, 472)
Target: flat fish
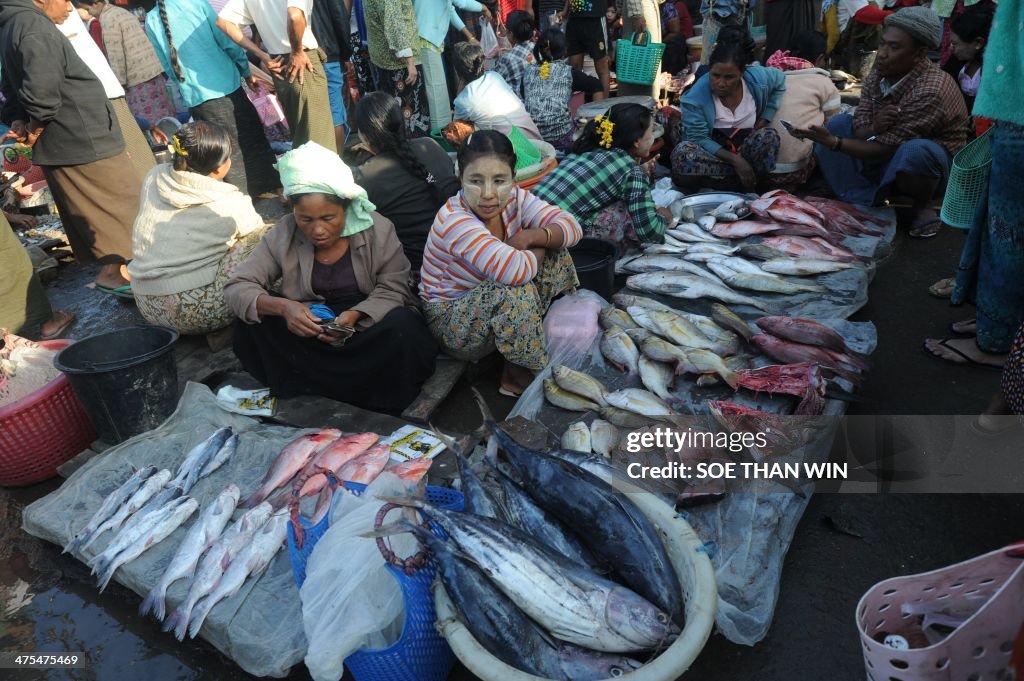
(604, 437)
(577, 437)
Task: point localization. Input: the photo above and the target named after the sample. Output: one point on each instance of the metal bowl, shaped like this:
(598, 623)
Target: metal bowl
(702, 204)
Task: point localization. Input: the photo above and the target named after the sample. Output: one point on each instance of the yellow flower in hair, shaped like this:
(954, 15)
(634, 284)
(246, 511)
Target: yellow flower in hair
(604, 130)
(545, 70)
(178, 149)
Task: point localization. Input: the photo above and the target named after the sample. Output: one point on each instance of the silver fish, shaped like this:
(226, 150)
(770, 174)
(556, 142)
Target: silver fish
(136, 501)
(711, 249)
(250, 562)
(641, 402)
(619, 349)
(686, 334)
(688, 232)
(110, 505)
(769, 284)
(639, 335)
(664, 249)
(735, 264)
(565, 399)
(612, 317)
(735, 363)
(706, 222)
(643, 318)
(604, 437)
(805, 267)
(579, 383)
(660, 350)
(197, 458)
(670, 240)
(656, 376)
(728, 209)
(670, 263)
(689, 286)
(163, 523)
(214, 562)
(626, 301)
(222, 456)
(577, 437)
(206, 530)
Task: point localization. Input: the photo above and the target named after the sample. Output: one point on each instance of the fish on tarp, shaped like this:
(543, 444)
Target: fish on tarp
(412, 470)
(567, 400)
(620, 350)
(604, 437)
(803, 380)
(728, 210)
(803, 247)
(706, 362)
(666, 263)
(728, 319)
(735, 264)
(150, 488)
(214, 562)
(733, 363)
(806, 267)
(252, 561)
(613, 317)
(579, 383)
(221, 457)
(657, 377)
(331, 458)
(204, 532)
(571, 602)
(289, 462)
(803, 206)
(706, 222)
(160, 525)
(111, 504)
(365, 468)
(506, 631)
(766, 283)
(625, 301)
(683, 332)
(760, 252)
(577, 437)
(640, 401)
(794, 353)
(623, 418)
(609, 523)
(744, 228)
(689, 232)
(198, 457)
(805, 331)
(681, 285)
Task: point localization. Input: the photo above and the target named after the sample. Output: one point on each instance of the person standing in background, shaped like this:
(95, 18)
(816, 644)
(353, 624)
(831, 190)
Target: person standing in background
(135, 142)
(719, 13)
(433, 17)
(294, 58)
(785, 20)
(331, 28)
(133, 61)
(394, 46)
(549, 9)
(639, 16)
(586, 32)
(209, 69)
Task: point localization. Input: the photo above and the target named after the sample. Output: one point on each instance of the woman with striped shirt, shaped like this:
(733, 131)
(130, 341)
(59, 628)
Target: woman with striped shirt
(494, 260)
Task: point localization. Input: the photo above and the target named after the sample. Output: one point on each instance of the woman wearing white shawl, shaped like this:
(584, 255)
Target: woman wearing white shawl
(336, 260)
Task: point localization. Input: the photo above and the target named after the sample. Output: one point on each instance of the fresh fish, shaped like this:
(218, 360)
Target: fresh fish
(197, 459)
(640, 402)
(689, 232)
(839, 252)
(781, 210)
(619, 349)
(477, 498)
(643, 318)
(686, 214)
(708, 327)
(613, 317)
(546, 530)
(705, 362)
(565, 399)
(728, 209)
(656, 377)
(222, 456)
(734, 264)
(811, 249)
(661, 350)
(206, 530)
(571, 602)
(292, 459)
(660, 263)
(609, 523)
(794, 353)
(734, 363)
(623, 418)
(846, 223)
(795, 201)
(323, 505)
(664, 249)
(365, 468)
(769, 284)
(604, 437)
(579, 383)
(706, 222)
(113, 503)
(805, 267)
(760, 252)
(163, 523)
(250, 562)
(684, 333)
(691, 287)
(332, 457)
(577, 437)
(728, 319)
(805, 331)
(803, 380)
(710, 249)
(214, 562)
(639, 335)
(670, 240)
(506, 631)
(626, 301)
(744, 228)
(412, 470)
(150, 487)
(831, 206)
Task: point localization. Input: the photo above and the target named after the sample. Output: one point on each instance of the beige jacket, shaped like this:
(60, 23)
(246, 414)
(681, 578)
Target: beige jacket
(380, 265)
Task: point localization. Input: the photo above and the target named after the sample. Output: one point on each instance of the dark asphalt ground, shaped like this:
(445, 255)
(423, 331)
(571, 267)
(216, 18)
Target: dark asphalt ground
(47, 598)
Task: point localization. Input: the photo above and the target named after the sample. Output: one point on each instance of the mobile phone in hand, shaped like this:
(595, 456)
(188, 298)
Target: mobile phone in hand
(788, 126)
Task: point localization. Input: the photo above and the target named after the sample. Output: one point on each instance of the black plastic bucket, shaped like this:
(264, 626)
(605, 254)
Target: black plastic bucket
(127, 379)
(594, 260)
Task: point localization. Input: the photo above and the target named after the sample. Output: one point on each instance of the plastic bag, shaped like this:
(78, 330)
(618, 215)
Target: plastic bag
(267, 106)
(349, 600)
(488, 40)
(665, 194)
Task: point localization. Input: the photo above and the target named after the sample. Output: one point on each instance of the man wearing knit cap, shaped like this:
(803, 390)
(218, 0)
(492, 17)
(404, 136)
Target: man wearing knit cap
(911, 120)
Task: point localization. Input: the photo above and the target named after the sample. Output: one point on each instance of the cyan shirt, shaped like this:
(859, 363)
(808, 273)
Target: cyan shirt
(213, 65)
(434, 16)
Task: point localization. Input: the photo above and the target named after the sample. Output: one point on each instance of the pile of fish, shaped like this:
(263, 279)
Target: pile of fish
(551, 569)
(149, 506)
(795, 340)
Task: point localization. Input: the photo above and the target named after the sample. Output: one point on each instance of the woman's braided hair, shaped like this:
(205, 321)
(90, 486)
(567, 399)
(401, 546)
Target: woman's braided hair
(380, 122)
(173, 53)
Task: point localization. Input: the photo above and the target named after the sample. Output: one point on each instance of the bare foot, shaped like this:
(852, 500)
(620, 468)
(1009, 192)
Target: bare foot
(110, 276)
(515, 379)
(965, 326)
(55, 326)
(963, 351)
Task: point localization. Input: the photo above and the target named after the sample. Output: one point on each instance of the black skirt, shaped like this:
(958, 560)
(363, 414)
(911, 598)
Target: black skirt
(380, 369)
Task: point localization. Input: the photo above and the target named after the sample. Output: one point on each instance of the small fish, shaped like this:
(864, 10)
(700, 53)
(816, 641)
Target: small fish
(623, 418)
(619, 349)
(613, 317)
(579, 383)
(150, 488)
(365, 468)
(197, 458)
(639, 335)
(577, 437)
(705, 362)
(729, 208)
(804, 267)
(735, 363)
(661, 350)
(293, 458)
(604, 437)
(222, 456)
(110, 505)
(656, 377)
(735, 264)
(664, 249)
(565, 399)
(728, 319)
(641, 402)
(706, 222)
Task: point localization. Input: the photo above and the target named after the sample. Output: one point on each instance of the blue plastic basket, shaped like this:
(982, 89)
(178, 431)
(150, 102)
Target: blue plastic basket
(420, 653)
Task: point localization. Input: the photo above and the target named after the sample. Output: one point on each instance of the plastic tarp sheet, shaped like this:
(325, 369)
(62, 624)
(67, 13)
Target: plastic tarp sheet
(260, 627)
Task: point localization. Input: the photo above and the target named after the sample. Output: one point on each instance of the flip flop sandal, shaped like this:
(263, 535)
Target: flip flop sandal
(943, 288)
(926, 230)
(60, 330)
(508, 393)
(968, 361)
(120, 291)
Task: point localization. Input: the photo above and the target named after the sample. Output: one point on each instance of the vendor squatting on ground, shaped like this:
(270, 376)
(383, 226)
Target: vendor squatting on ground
(486, 257)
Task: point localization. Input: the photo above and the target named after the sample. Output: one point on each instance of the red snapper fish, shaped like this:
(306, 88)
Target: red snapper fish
(782, 210)
(330, 458)
(366, 467)
(801, 247)
(801, 330)
(847, 208)
(795, 201)
(794, 353)
(744, 228)
(412, 470)
(292, 459)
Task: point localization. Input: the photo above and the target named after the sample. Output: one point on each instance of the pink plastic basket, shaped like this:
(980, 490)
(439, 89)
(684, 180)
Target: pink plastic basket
(978, 650)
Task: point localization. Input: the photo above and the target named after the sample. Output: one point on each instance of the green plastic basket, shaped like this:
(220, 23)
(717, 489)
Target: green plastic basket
(527, 153)
(967, 180)
(638, 63)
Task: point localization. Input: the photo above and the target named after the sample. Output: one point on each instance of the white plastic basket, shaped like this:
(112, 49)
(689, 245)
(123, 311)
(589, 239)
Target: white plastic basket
(978, 650)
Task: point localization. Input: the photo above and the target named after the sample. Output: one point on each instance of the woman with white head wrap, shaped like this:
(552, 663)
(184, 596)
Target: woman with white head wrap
(340, 266)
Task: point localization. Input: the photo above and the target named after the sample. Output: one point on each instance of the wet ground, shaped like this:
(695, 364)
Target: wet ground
(48, 602)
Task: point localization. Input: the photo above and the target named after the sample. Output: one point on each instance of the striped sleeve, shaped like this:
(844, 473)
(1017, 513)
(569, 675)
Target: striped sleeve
(468, 240)
(536, 213)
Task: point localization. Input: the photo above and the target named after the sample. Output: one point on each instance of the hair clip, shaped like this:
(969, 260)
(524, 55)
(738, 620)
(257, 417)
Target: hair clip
(178, 149)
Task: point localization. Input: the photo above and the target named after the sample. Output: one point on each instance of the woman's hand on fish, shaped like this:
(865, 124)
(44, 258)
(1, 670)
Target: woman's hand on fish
(300, 320)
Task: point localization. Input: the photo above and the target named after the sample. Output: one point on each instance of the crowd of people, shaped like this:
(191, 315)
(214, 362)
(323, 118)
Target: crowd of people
(392, 251)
